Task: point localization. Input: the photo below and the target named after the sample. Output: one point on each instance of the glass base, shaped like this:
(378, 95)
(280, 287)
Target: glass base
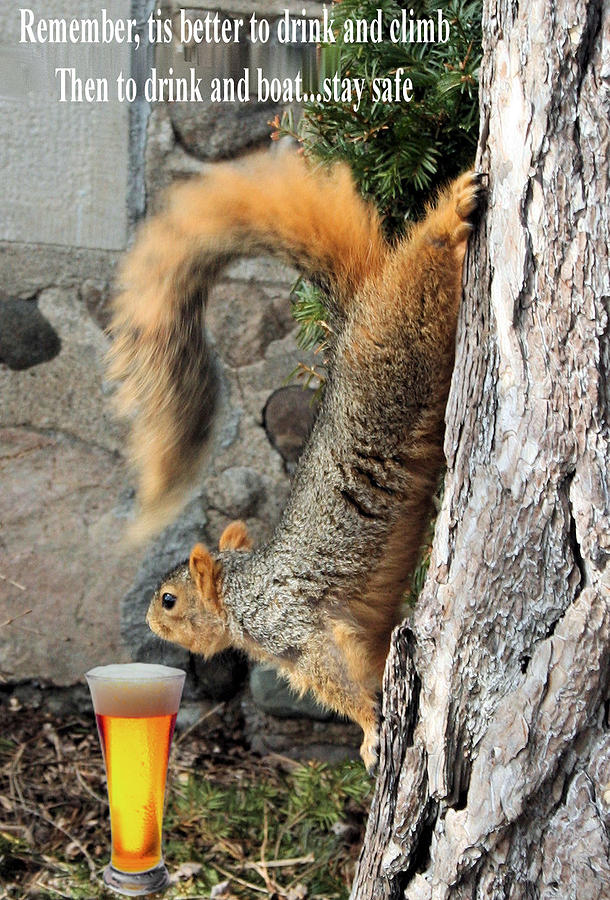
(134, 884)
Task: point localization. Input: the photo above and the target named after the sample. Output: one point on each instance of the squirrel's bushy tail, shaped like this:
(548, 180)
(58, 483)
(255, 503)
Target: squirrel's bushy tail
(311, 218)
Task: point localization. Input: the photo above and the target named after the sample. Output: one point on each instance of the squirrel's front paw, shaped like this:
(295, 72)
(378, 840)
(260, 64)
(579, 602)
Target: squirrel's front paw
(466, 194)
(450, 223)
(462, 208)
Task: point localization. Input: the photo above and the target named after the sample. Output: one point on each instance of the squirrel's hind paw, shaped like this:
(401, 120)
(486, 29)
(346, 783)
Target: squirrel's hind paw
(369, 749)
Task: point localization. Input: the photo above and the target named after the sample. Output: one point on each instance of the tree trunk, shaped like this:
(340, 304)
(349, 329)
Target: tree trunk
(495, 744)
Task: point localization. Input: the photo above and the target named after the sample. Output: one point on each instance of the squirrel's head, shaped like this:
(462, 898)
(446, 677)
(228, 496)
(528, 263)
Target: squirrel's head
(187, 607)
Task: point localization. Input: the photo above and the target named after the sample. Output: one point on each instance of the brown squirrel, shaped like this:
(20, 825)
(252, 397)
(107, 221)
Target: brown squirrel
(321, 598)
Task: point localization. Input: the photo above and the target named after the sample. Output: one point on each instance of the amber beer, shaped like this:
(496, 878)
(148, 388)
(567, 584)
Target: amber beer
(136, 707)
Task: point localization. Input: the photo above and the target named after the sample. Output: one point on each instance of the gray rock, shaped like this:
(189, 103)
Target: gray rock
(61, 702)
(236, 492)
(26, 269)
(260, 379)
(273, 695)
(221, 676)
(64, 561)
(28, 695)
(165, 161)
(262, 269)
(190, 713)
(26, 338)
(244, 318)
(288, 418)
(212, 131)
(74, 700)
(66, 393)
(300, 738)
(95, 295)
(240, 118)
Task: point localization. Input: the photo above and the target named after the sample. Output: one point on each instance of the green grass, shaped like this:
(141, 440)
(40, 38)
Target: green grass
(256, 829)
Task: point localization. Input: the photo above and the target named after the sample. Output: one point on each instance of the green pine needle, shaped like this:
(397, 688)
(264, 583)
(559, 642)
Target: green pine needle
(399, 153)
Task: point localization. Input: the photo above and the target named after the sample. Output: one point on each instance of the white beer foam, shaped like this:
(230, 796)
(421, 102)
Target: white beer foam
(135, 689)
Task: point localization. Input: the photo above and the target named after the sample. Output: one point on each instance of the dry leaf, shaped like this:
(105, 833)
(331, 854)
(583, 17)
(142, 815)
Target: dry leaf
(185, 870)
(222, 891)
(73, 850)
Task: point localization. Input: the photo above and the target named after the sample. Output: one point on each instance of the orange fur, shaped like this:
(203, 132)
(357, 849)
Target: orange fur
(235, 537)
(204, 575)
(311, 218)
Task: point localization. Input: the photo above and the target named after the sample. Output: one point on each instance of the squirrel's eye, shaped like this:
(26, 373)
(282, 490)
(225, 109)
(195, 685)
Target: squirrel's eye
(168, 601)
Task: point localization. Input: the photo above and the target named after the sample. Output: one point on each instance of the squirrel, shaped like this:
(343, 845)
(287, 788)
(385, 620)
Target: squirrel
(320, 599)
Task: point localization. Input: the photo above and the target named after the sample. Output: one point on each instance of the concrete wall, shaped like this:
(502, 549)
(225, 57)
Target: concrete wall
(63, 164)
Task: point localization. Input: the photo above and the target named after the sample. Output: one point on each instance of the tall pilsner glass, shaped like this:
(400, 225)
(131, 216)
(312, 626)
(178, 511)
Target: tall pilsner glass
(136, 706)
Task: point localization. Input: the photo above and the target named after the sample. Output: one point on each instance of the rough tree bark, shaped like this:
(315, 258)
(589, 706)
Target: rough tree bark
(495, 760)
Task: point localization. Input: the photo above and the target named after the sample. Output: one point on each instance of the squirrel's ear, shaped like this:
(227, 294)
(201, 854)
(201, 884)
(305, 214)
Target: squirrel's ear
(235, 537)
(203, 572)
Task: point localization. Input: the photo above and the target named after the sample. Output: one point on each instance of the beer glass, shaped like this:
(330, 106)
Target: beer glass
(135, 707)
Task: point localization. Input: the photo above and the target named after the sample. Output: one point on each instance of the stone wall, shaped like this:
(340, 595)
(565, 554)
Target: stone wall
(72, 593)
